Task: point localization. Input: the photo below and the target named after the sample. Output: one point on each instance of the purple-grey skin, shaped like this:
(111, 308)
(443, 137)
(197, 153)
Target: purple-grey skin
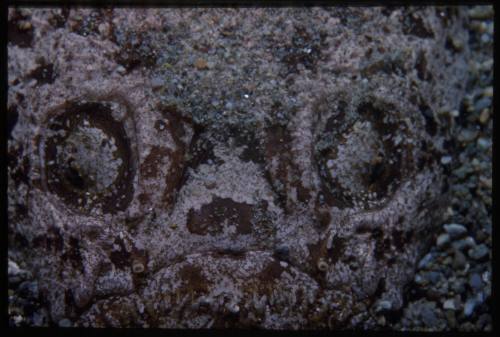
(220, 167)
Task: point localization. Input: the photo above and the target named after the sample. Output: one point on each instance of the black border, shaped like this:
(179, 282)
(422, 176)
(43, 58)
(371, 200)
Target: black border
(231, 332)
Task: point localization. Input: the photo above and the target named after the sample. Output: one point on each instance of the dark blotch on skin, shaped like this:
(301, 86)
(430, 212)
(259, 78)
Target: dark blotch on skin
(150, 165)
(52, 241)
(378, 236)
(192, 277)
(421, 67)
(271, 272)
(73, 254)
(22, 38)
(209, 219)
(398, 239)
(304, 50)
(136, 49)
(120, 258)
(44, 74)
(415, 26)
(59, 20)
(12, 117)
(337, 249)
(430, 122)
(247, 139)
(277, 145)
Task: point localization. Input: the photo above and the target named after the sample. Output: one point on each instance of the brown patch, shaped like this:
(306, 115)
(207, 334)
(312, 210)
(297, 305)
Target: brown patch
(304, 49)
(73, 254)
(303, 193)
(59, 20)
(193, 279)
(160, 126)
(201, 151)
(136, 49)
(278, 140)
(380, 244)
(316, 251)
(133, 222)
(144, 198)
(271, 272)
(174, 177)
(44, 73)
(149, 167)
(177, 121)
(93, 232)
(430, 122)
(421, 67)
(54, 240)
(414, 25)
(120, 258)
(69, 301)
(337, 248)
(277, 145)
(20, 30)
(21, 173)
(12, 117)
(397, 239)
(324, 217)
(209, 219)
(177, 126)
(246, 138)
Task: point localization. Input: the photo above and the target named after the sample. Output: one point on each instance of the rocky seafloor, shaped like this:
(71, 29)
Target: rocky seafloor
(452, 288)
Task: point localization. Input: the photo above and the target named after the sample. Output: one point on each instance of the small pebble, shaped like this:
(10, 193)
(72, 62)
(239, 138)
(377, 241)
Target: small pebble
(433, 276)
(475, 281)
(488, 91)
(458, 286)
(443, 240)
(467, 135)
(481, 13)
(28, 289)
(445, 160)
(426, 260)
(428, 316)
(201, 64)
(484, 117)
(469, 307)
(449, 304)
(467, 242)
(479, 252)
(383, 306)
(486, 38)
(455, 230)
(65, 323)
(483, 103)
(483, 143)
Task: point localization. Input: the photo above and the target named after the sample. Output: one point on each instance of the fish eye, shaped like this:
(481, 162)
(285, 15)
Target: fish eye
(88, 159)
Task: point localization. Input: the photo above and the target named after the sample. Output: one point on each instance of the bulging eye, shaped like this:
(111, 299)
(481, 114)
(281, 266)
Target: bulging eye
(88, 159)
(363, 154)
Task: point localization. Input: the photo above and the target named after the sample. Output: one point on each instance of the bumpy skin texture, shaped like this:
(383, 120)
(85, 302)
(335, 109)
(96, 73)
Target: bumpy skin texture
(271, 168)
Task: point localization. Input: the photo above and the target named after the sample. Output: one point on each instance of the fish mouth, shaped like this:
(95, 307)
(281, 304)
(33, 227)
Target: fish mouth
(215, 289)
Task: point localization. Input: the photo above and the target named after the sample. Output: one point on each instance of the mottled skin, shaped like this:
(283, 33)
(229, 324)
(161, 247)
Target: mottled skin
(272, 168)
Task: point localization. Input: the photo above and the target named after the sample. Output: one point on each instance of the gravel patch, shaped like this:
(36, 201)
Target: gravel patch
(457, 270)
